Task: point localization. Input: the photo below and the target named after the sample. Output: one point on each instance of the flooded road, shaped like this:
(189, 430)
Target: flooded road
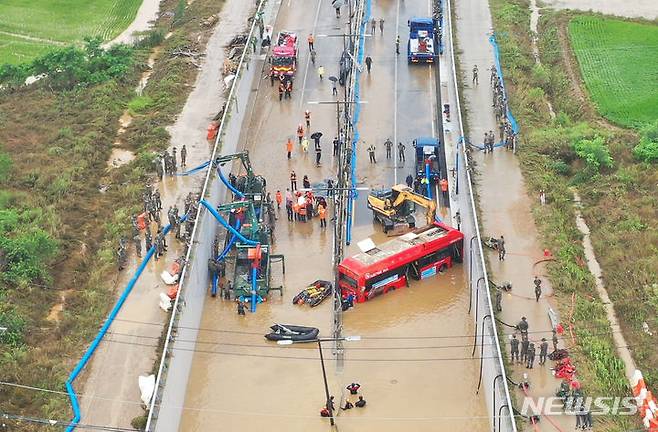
(111, 395)
(414, 360)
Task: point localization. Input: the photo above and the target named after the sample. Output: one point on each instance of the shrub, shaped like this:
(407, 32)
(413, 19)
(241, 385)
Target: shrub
(14, 324)
(647, 148)
(139, 104)
(594, 152)
(5, 165)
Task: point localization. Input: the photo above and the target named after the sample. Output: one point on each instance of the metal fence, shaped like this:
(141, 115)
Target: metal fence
(486, 345)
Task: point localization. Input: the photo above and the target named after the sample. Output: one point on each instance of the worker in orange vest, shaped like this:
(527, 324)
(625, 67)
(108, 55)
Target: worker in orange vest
(322, 212)
(310, 40)
(300, 132)
(443, 184)
(279, 199)
(289, 147)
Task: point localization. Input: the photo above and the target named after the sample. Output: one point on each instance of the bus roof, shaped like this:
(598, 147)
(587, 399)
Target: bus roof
(392, 249)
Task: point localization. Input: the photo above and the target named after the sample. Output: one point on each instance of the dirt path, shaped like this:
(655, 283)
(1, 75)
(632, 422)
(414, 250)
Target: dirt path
(146, 14)
(111, 391)
(33, 39)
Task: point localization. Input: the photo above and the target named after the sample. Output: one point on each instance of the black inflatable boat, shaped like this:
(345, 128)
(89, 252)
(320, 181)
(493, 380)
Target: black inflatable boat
(292, 332)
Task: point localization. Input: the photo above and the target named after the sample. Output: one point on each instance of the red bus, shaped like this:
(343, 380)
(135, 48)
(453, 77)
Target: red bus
(419, 254)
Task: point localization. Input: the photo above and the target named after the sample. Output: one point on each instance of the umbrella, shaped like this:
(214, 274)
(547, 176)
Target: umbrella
(337, 3)
(316, 135)
(333, 78)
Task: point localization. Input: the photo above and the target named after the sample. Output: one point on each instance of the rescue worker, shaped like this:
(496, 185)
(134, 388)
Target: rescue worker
(157, 200)
(409, 180)
(360, 403)
(311, 41)
(322, 212)
(300, 133)
(334, 89)
(241, 308)
(313, 54)
(514, 348)
(321, 72)
(381, 25)
(336, 144)
(525, 344)
(306, 183)
(122, 256)
(443, 184)
(401, 148)
(289, 147)
(318, 153)
(288, 89)
(293, 180)
(397, 44)
(348, 405)
(173, 160)
(522, 326)
(279, 199)
(475, 75)
(458, 220)
(183, 156)
(530, 356)
(501, 248)
(537, 283)
(373, 26)
(371, 153)
(388, 145)
(307, 117)
(282, 89)
(304, 145)
(543, 351)
(353, 388)
(289, 210)
(148, 239)
(368, 63)
(158, 167)
(555, 341)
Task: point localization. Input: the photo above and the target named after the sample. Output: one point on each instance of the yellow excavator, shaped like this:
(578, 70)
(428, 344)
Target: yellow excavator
(397, 205)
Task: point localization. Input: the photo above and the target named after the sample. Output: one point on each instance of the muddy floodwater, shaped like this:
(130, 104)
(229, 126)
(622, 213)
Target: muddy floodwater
(647, 9)
(414, 358)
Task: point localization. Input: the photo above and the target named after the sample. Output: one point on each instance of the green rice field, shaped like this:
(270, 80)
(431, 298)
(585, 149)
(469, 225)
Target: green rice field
(619, 63)
(29, 28)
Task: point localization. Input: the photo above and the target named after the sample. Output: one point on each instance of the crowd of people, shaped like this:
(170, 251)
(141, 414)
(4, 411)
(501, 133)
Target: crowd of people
(330, 408)
(505, 132)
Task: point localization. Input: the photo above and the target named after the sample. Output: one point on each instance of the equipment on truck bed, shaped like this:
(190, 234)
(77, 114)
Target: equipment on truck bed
(283, 61)
(422, 40)
(429, 150)
(397, 205)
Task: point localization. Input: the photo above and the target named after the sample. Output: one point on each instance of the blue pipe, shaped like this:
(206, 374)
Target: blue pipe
(228, 183)
(355, 122)
(427, 179)
(226, 225)
(194, 170)
(254, 287)
(101, 334)
(499, 70)
(221, 256)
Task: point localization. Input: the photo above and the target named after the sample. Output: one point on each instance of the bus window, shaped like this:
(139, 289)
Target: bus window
(348, 280)
(432, 258)
(387, 278)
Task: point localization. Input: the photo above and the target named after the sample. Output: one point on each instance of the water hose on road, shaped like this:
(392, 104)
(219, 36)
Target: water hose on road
(355, 122)
(194, 170)
(221, 256)
(254, 287)
(228, 183)
(101, 333)
(499, 71)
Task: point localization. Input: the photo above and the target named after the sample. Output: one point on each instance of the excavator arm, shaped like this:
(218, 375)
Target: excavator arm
(403, 194)
(244, 158)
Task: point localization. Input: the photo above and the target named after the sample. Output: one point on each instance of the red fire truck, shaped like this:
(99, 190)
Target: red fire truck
(284, 56)
(419, 254)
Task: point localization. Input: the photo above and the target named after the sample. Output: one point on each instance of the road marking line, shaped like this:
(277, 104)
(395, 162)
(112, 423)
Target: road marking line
(308, 60)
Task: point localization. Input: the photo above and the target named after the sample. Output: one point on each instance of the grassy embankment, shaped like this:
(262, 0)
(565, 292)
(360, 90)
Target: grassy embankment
(29, 28)
(55, 145)
(578, 149)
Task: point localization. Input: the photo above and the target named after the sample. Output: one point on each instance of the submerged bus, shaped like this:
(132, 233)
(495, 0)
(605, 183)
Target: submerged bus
(419, 254)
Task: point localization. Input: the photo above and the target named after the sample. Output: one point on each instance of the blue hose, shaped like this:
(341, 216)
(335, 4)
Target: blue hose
(228, 183)
(226, 225)
(101, 334)
(427, 179)
(194, 170)
(499, 70)
(221, 256)
(355, 122)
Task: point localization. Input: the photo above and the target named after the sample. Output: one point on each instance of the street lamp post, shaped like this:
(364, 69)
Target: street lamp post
(324, 370)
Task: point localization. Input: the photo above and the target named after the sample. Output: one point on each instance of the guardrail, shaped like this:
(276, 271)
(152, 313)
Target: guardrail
(492, 371)
(194, 280)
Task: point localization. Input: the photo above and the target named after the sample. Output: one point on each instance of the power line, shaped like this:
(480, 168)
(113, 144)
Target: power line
(62, 423)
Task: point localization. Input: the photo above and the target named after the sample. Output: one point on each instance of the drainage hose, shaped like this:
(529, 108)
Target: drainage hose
(101, 333)
(254, 287)
(228, 183)
(194, 170)
(427, 179)
(226, 225)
